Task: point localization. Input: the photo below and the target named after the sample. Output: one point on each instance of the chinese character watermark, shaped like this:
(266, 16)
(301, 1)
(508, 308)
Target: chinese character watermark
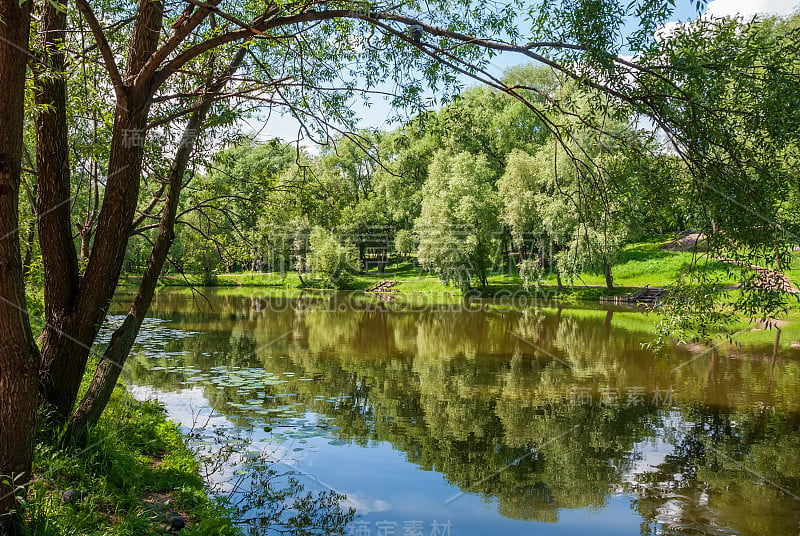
(188, 138)
(405, 528)
(132, 137)
(620, 397)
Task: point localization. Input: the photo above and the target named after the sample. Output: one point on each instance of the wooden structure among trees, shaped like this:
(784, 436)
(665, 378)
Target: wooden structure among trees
(383, 287)
(646, 295)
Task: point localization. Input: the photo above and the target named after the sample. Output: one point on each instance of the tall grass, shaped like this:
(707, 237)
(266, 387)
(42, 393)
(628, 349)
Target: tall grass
(135, 474)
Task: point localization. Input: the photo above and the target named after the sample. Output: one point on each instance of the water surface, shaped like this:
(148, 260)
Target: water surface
(481, 419)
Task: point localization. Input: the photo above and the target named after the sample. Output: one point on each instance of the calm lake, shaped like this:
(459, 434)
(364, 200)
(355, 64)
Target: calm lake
(473, 419)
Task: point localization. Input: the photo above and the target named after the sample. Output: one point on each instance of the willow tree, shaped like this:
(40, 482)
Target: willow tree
(458, 223)
(736, 131)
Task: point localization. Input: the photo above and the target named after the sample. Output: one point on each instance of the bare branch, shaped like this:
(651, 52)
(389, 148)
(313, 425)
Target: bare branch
(105, 49)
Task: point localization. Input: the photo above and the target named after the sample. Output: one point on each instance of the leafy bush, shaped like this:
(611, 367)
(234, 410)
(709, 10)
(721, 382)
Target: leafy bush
(333, 260)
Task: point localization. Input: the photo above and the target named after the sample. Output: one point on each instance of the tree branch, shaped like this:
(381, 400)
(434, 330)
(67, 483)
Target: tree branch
(105, 48)
(182, 31)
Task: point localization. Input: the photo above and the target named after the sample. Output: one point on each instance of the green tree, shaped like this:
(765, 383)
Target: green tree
(574, 201)
(405, 243)
(334, 260)
(538, 217)
(223, 208)
(407, 153)
(458, 223)
(737, 136)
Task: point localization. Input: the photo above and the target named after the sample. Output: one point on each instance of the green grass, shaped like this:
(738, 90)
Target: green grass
(136, 472)
(410, 279)
(243, 279)
(647, 264)
(793, 270)
(640, 264)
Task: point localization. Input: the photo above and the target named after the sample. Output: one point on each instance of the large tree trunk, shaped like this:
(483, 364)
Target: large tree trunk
(18, 352)
(53, 189)
(609, 275)
(65, 352)
(110, 366)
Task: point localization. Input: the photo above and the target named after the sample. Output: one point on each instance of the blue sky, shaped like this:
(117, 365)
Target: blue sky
(378, 113)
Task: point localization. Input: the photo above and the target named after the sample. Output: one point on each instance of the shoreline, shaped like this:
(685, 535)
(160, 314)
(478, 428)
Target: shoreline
(427, 285)
(136, 475)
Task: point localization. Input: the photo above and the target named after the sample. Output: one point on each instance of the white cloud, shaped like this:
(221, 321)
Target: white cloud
(364, 504)
(667, 29)
(746, 9)
(749, 8)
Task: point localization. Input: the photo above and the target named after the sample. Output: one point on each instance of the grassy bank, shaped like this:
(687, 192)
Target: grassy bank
(134, 476)
(640, 264)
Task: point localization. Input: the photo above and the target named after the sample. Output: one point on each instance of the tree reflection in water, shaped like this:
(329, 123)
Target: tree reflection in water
(265, 499)
(487, 399)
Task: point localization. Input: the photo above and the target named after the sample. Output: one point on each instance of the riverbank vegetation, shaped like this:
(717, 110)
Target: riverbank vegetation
(134, 478)
(638, 264)
(481, 192)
